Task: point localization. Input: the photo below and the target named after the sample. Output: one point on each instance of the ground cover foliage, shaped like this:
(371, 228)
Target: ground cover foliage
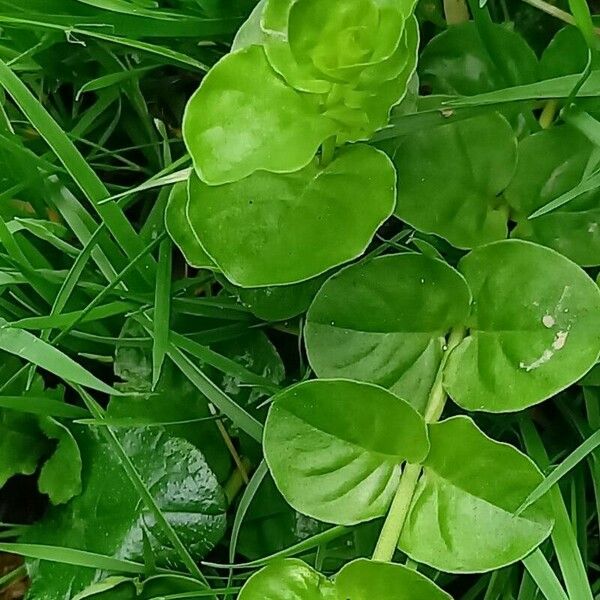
(299, 300)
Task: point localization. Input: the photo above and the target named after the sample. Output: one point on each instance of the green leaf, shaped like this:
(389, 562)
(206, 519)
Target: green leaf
(551, 163)
(108, 517)
(60, 476)
(457, 62)
(534, 329)
(384, 321)
(273, 229)
(566, 54)
(362, 579)
(181, 233)
(21, 445)
(328, 446)
(174, 399)
(244, 118)
(460, 168)
(279, 303)
(462, 518)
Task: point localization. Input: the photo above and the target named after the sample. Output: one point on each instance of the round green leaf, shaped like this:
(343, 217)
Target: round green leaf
(289, 579)
(534, 328)
(274, 229)
(462, 518)
(457, 61)
(551, 163)
(362, 579)
(449, 178)
(334, 448)
(384, 321)
(181, 233)
(243, 118)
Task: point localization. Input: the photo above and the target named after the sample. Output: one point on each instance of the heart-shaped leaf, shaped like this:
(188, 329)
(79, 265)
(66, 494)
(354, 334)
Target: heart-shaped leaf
(243, 118)
(551, 163)
(108, 517)
(362, 579)
(462, 518)
(273, 229)
(384, 321)
(330, 451)
(449, 179)
(461, 61)
(534, 328)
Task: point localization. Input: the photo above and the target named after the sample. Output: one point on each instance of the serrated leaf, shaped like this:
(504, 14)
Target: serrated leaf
(108, 517)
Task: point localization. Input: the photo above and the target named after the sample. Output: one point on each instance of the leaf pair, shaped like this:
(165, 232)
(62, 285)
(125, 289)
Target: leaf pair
(361, 579)
(302, 71)
(335, 450)
(533, 320)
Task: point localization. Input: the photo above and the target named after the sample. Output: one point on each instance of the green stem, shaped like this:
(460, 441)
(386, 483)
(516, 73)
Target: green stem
(396, 517)
(327, 150)
(394, 522)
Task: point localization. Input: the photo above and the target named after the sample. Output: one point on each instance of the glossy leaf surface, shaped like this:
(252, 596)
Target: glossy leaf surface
(328, 447)
(534, 329)
(449, 179)
(462, 517)
(273, 229)
(109, 518)
(384, 321)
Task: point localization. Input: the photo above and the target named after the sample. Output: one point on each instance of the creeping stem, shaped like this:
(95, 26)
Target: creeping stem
(396, 517)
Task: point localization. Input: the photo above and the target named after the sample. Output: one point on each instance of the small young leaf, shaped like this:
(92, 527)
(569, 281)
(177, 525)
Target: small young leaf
(329, 448)
(534, 329)
(384, 321)
(274, 229)
(462, 518)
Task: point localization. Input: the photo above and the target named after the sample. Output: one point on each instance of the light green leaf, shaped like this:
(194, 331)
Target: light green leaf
(177, 476)
(60, 476)
(181, 233)
(243, 118)
(362, 579)
(329, 448)
(551, 163)
(273, 229)
(460, 169)
(534, 329)
(566, 54)
(462, 518)
(384, 321)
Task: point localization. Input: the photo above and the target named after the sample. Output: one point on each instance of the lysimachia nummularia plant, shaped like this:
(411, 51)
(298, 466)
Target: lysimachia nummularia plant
(286, 187)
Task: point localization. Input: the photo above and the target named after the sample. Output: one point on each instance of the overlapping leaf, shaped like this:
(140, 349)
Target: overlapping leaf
(385, 320)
